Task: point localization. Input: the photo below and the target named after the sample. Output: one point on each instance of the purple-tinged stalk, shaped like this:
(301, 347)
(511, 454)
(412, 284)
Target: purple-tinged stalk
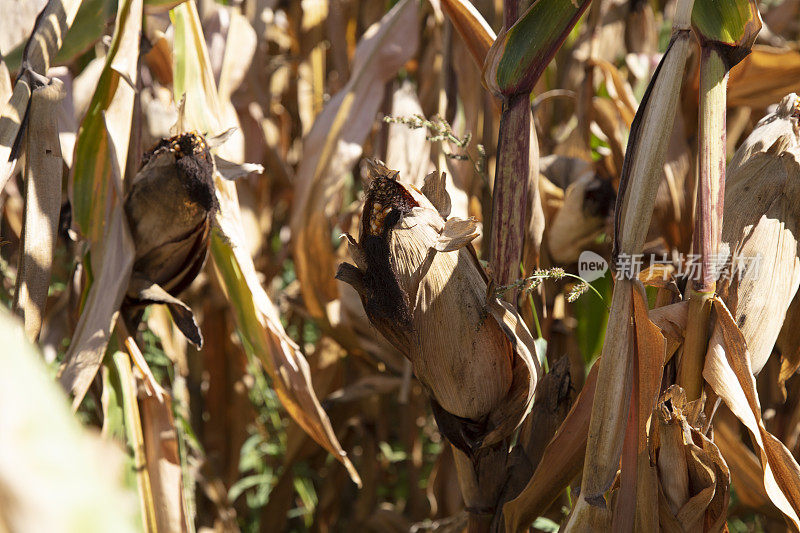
(513, 65)
(726, 31)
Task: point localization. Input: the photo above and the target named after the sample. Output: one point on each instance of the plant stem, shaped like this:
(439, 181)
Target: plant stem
(708, 217)
(510, 190)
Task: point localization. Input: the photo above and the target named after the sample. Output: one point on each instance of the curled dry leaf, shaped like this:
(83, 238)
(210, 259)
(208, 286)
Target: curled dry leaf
(423, 288)
(51, 27)
(760, 231)
(727, 370)
(693, 477)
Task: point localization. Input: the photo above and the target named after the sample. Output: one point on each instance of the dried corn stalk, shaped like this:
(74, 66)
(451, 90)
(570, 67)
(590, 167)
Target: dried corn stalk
(760, 229)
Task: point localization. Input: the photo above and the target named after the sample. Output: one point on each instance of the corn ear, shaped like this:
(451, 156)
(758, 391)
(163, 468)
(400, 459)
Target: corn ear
(423, 288)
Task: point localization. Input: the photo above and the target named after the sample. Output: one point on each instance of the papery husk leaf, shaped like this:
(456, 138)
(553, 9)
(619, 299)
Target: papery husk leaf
(693, 476)
(450, 292)
(434, 189)
(43, 169)
(761, 225)
(727, 370)
(256, 315)
(472, 352)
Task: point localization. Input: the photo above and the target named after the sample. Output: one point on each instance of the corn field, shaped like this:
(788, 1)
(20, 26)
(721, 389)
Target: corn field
(399, 266)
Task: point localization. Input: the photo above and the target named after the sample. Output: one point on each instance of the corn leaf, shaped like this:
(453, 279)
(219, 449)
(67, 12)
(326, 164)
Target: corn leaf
(101, 153)
(727, 369)
(259, 324)
(732, 23)
(43, 166)
(471, 27)
(520, 54)
(43, 44)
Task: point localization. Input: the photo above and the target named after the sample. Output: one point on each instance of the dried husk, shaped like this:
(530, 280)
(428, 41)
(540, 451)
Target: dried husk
(693, 476)
(761, 219)
(424, 290)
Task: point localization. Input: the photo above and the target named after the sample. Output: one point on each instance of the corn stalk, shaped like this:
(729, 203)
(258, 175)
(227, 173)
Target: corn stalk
(726, 31)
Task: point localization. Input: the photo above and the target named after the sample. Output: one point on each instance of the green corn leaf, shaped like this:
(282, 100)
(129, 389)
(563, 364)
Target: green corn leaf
(520, 54)
(731, 26)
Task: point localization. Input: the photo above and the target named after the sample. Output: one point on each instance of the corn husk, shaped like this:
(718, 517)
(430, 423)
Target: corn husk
(761, 219)
(423, 288)
(693, 478)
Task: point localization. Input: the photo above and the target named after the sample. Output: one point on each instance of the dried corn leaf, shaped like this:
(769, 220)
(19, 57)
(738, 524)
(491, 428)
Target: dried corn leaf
(43, 168)
(727, 370)
(257, 317)
(163, 464)
(760, 229)
(97, 189)
(51, 26)
(334, 144)
(471, 27)
(744, 466)
(764, 76)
